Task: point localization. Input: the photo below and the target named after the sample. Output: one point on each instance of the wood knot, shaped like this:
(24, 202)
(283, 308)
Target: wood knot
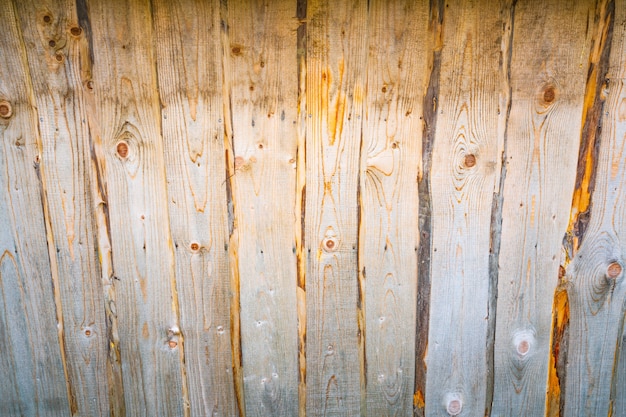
(90, 85)
(470, 160)
(236, 50)
(172, 344)
(384, 89)
(330, 244)
(47, 19)
(523, 347)
(394, 145)
(52, 43)
(454, 407)
(122, 149)
(549, 95)
(614, 270)
(5, 110)
(59, 57)
(76, 31)
(88, 332)
(194, 247)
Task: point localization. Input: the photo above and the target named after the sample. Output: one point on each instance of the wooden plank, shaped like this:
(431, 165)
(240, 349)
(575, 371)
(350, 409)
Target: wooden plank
(262, 81)
(547, 80)
(56, 40)
(595, 278)
(396, 82)
(336, 57)
(463, 178)
(32, 365)
(129, 156)
(189, 68)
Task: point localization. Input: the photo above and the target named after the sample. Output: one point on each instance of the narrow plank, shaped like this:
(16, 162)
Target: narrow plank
(129, 156)
(618, 391)
(189, 68)
(464, 175)
(33, 376)
(336, 58)
(396, 82)
(547, 79)
(262, 81)
(52, 31)
(595, 279)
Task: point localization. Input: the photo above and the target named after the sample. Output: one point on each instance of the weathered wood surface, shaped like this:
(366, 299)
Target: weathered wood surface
(189, 68)
(547, 80)
(262, 82)
(301, 207)
(396, 71)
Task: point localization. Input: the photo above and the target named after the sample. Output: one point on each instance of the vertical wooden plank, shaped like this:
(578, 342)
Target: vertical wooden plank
(262, 80)
(55, 38)
(32, 368)
(336, 57)
(396, 78)
(595, 279)
(547, 79)
(189, 68)
(464, 175)
(129, 153)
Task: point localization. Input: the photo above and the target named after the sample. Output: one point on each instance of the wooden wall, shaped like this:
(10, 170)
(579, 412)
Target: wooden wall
(312, 207)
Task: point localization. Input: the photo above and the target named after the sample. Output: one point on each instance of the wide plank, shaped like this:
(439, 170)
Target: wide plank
(125, 125)
(547, 80)
(32, 363)
(260, 61)
(465, 170)
(392, 142)
(335, 87)
(57, 40)
(595, 280)
(189, 68)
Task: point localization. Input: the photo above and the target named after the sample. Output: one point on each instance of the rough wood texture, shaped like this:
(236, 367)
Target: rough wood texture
(54, 61)
(32, 360)
(262, 81)
(464, 171)
(396, 81)
(189, 68)
(127, 130)
(547, 80)
(595, 277)
(336, 56)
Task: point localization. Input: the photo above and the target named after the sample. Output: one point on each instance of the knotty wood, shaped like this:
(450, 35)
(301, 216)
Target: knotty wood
(124, 82)
(190, 85)
(262, 81)
(462, 188)
(31, 359)
(396, 70)
(65, 158)
(547, 81)
(336, 56)
(597, 297)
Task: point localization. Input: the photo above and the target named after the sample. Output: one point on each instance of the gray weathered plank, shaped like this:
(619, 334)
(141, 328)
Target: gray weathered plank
(52, 31)
(547, 80)
(129, 153)
(32, 368)
(595, 280)
(336, 58)
(396, 80)
(465, 167)
(189, 68)
(262, 81)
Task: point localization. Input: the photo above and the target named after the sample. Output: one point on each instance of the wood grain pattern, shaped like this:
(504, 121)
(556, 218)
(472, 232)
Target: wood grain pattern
(190, 85)
(54, 62)
(335, 86)
(126, 130)
(396, 71)
(595, 278)
(547, 76)
(31, 364)
(262, 81)
(464, 171)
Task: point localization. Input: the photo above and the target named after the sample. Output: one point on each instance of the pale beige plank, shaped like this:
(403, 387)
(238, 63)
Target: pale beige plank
(336, 58)
(125, 126)
(33, 380)
(262, 81)
(595, 278)
(465, 170)
(56, 39)
(397, 75)
(548, 69)
(189, 68)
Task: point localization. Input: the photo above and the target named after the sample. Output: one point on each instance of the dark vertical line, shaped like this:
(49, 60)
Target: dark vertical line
(430, 106)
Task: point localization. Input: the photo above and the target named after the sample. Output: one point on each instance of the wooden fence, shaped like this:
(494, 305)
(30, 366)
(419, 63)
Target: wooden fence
(312, 207)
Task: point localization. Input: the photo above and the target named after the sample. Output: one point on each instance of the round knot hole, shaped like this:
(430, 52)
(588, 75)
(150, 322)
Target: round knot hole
(47, 19)
(454, 407)
(549, 94)
(5, 110)
(59, 57)
(470, 160)
(76, 31)
(384, 89)
(330, 244)
(52, 44)
(172, 344)
(194, 246)
(90, 85)
(87, 332)
(394, 145)
(614, 270)
(122, 149)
